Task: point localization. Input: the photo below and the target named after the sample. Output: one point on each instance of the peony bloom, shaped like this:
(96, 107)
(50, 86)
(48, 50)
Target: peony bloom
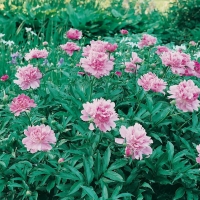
(180, 63)
(150, 81)
(198, 150)
(36, 53)
(124, 32)
(74, 34)
(28, 77)
(192, 43)
(147, 40)
(132, 66)
(186, 95)
(45, 43)
(161, 49)
(101, 113)
(39, 138)
(111, 47)
(97, 64)
(4, 77)
(136, 140)
(70, 47)
(21, 103)
(60, 160)
(197, 69)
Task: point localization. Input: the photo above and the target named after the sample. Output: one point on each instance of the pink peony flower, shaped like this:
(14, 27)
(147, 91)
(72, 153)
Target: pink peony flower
(70, 47)
(124, 32)
(150, 81)
(197, 69)
(74, 34)
(132, 66)
(21, 103)
(147, 40)
(198, 150)
(186, 95)
(60, 160)
(45, 43)
(36, 53)
(118, 73)
(39, 138)
(111, 47)
(97, 64)
(192, 43)
(161, 49)
(101, 113)
(4, 77)
(28, 77)
(136, 140)
(180, 63)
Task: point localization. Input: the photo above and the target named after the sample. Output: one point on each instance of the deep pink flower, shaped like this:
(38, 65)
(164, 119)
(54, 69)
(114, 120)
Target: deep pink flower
(197, 69)
(111, 47)
(74, 34)
(132, 66)
(147, 40)
(180, 63)
(4, 77)
(150, 81)
(186, 95)
(36, 53)
(136, 140)
(161, 49)
(70, 47)
(124, 32)
(101, 113)
(28, 77)
(97, 64)
(118, 73)
(39, 138)
(21, 103)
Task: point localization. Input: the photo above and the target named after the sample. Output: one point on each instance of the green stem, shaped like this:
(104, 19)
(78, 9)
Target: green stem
(28, 118)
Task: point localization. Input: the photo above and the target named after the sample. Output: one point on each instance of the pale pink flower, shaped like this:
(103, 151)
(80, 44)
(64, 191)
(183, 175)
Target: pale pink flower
(4, 77)
(74, 34)
(97, 64)
(28, 77)
(101, 113)
(111, 47)
(186, 95)
(21, 103)
(192, 43)
(60, 160)
(136, 140)
(36, 53)
(150, 81)
(198, 150)
(147, 40)
(45, 43)
(161, 49)
(180, 63)
(132, 66)
(39, 138)
(197, 69)
(70, 47)
(123, 31)
(95, 46)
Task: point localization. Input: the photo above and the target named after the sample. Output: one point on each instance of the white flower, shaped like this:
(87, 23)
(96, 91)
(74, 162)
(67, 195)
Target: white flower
(1, 35)
(33, 33)
(182, 47)
(9, 43)
(28, 30)
(132, 44)
(197, 55)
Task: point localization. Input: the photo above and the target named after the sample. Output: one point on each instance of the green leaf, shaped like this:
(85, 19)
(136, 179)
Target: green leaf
(88, 171)
(75, 187)
(90, 192)
(106, 159)
(170, 150)
(118, 164)
(179, 193)
(50, 185)
(124, 195)
(147, 186)
(114, 176)
(97, 166)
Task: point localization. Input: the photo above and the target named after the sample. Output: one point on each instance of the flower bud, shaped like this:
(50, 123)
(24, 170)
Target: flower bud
(60, 160)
